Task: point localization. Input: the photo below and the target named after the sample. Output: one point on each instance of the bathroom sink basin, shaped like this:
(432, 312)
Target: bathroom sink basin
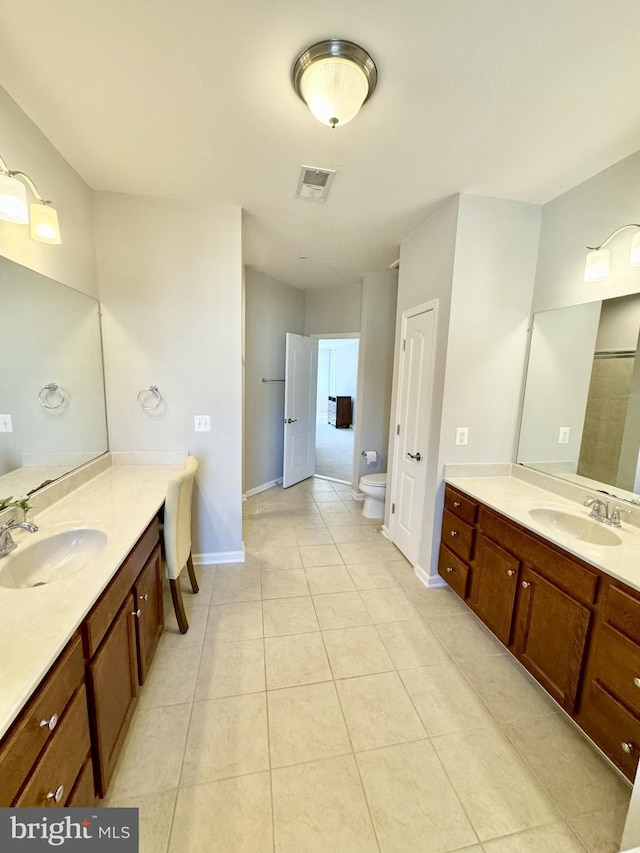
(51, 558)
(582, 528)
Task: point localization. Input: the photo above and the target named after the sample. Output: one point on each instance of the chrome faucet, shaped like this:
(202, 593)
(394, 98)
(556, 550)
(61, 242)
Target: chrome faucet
(7, 544)
(601, 511)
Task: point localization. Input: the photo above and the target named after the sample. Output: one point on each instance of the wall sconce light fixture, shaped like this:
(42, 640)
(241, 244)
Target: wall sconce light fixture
(597, 264)
(15, 208)
(334, 78)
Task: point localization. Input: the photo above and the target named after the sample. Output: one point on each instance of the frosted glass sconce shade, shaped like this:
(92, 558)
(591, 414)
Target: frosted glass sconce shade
(597, 265)
(44, 223)
(634, 255)
(13, 200)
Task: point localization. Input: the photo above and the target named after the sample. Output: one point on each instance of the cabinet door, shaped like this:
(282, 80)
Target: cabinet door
(113, 690)
(494, 583)
(149, 605)
(551, 636)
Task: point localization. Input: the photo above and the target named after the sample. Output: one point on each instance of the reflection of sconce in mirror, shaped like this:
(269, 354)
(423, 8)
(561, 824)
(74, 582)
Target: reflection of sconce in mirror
(597, 265)
(13, 206)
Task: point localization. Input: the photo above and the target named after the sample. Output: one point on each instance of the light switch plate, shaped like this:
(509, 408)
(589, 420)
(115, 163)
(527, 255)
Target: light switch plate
(5, 423)
(202, 423)
(563, 435)
(462, 435)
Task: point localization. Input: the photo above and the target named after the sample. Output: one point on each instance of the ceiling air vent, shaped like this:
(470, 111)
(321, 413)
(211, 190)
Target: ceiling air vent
(314, 184)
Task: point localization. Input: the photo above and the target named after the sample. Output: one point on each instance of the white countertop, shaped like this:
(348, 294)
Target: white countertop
(514, 497)
(37, 623)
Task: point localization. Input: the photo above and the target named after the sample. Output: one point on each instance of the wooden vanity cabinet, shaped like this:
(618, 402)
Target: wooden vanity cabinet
(149, 611)
(494, 585)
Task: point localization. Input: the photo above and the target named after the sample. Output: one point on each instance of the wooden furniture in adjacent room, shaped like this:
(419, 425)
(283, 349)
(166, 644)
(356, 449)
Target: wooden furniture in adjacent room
(339, 412)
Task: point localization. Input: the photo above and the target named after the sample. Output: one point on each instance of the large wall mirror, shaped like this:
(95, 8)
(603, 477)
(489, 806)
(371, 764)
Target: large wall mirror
(51, 380)
(581, 413)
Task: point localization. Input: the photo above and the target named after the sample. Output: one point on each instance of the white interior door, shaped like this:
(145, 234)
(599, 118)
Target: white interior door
(300, 378)
(414, 406)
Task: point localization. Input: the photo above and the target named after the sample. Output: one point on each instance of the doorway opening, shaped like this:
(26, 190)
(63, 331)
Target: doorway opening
(336, 407)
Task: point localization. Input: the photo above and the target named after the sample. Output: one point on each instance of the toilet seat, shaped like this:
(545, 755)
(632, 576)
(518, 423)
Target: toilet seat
(374, 480)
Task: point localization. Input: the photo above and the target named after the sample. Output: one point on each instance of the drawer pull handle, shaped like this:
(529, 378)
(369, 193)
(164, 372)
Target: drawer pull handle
(526, 584)
(56, 795)
(456, 504)
(144, 597)
(449, 568)
(510, 572)
(50, 724)
(627, 747)
(454, 532)
(636, 681)
(137, 613)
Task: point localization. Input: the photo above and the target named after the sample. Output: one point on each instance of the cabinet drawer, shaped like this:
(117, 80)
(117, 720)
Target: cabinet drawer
(99, 620)
(460, 505)
(454, 571)
(26, 739)
(616, 666)
(62, 760)
(457, 535)
(622, 610)
(612, 727)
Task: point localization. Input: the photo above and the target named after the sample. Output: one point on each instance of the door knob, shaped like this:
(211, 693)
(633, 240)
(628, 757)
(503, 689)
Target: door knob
(415, 456)
(526, 584)
(510, 572)
(291, 421)
(627, 747)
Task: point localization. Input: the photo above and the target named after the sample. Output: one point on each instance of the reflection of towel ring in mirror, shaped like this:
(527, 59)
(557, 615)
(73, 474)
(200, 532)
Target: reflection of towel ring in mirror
(53, 390)
(157, 398)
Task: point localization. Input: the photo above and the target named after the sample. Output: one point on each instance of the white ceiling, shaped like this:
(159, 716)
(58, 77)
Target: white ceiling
(520, 99)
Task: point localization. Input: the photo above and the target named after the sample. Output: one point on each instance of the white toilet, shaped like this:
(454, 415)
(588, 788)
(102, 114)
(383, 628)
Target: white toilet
(374, 488)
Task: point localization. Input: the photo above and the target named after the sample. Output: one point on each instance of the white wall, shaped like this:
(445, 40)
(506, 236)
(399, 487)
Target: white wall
(170, 277)
(23, 147)
(323, 386)
(333, 311)
(271, 309)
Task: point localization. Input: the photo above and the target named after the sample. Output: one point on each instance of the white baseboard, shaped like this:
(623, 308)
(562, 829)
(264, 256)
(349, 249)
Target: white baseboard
(263, 488)
(357, 496)
(430, 581)
(385, 532)
(213, 558)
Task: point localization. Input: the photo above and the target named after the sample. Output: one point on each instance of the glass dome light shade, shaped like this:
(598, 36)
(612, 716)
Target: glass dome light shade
(334, 90)
(597, 265)
(634, 256)
(13, 200)
(44, 223)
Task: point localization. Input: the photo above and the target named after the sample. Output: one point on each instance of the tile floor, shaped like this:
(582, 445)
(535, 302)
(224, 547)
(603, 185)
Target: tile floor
(324, 700)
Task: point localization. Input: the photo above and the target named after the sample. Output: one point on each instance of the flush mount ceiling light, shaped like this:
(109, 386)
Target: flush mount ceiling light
(14, 206)
(597, 264)
(334, 78)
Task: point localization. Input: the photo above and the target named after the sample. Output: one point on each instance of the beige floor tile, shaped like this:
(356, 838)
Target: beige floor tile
(329, 579)
(285, 584)
(313, 536)
(274, 559)
(554, 838)
(283, 538)
(327, 496)
(378, 711)
(173, 639)
(507, 689)
(155, 816)
(356, 651)
(241, 585)
(229, 622)
(230, 669)
(436, 603)
(296, 659)
(388, 605)
(465, 637)
(349, 533)
(320, 555)
(578, 779)
(306, 724)
(341, 610)
(289, 616)
(445, 700)
(152, 755)
(601, 831)
(411, 644)
(414, 807)
(368, 552)
(172, 678)
(320, 807)
(496, 788)
(227, 737)
(371, 576)
(227, 816)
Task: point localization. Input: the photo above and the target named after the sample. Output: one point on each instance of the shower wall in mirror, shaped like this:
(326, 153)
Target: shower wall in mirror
(581, 413)
(51, 380)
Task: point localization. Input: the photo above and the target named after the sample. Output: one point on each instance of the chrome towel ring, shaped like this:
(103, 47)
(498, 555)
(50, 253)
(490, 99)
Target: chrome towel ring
(152, 396)
(52, 396)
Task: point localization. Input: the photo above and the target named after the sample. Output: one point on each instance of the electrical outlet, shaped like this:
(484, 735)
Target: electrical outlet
(563, 435)
(202, 423)
(462, 435)
(5, 423)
